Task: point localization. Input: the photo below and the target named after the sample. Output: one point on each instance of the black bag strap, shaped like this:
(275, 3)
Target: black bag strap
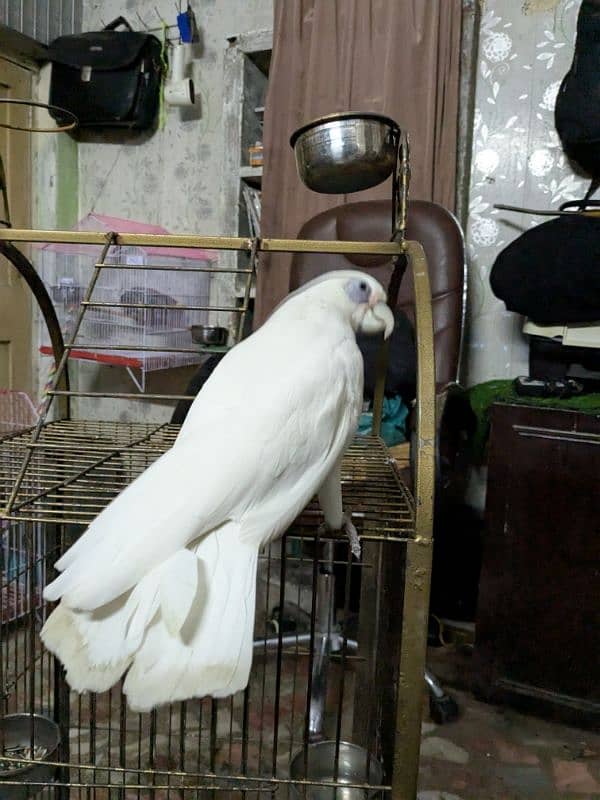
(116, 23)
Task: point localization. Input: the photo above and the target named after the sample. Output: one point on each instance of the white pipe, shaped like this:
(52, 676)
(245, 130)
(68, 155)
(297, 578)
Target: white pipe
(179, 90)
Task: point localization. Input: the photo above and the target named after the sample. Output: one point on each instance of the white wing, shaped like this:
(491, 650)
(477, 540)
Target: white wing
(259, 440)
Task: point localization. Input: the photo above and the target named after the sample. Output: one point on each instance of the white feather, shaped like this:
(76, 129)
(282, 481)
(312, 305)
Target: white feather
(213, 654)
(178, 588)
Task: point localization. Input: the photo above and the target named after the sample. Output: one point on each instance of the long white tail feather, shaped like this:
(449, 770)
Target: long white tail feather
(61, 637)
(178, 588)
(212, 654)
(186, 629)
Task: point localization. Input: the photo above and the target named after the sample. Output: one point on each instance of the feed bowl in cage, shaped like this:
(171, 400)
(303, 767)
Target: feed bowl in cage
(345, 152)
(209, 334)
(16, 739)
(355, 766)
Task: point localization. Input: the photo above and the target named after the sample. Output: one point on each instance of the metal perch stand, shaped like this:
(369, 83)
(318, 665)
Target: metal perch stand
(65, 471)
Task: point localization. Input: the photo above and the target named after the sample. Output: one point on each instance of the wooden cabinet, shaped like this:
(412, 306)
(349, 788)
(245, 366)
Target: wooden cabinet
(538, 620)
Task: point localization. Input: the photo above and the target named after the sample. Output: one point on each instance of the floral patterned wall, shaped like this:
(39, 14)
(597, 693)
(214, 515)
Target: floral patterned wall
(525, 49)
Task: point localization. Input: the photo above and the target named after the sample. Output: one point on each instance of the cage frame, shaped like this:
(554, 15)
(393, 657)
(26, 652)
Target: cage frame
(411, 665)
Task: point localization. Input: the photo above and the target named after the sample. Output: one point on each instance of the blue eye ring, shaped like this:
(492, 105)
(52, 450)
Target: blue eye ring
(358, 290)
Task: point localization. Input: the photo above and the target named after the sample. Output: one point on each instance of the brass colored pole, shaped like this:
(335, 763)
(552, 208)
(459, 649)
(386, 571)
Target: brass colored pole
(418, 565)
(247, 290)
(209, 242)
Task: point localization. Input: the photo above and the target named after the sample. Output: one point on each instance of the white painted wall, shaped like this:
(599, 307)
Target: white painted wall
(174, 178)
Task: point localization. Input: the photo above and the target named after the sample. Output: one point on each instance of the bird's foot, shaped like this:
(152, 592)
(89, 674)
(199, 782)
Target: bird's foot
(350, 530)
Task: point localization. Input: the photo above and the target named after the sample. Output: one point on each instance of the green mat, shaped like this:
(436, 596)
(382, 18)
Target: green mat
(483, 395)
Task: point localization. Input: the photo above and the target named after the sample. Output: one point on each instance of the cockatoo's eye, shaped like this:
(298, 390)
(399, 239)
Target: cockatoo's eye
(359, 291)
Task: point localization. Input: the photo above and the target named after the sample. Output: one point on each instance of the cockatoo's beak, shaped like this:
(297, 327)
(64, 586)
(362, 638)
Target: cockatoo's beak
(378, 316)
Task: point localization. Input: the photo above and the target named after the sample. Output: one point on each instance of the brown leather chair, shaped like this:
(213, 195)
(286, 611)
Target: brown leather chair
(428, 223)
(440, 234)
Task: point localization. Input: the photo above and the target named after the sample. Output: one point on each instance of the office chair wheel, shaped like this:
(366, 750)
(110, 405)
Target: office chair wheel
(443, 709)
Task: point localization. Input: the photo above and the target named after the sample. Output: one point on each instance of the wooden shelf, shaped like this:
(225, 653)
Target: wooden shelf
(252, 175)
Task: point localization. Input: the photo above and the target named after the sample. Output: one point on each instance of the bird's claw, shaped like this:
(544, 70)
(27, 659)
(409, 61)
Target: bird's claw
(349, 529)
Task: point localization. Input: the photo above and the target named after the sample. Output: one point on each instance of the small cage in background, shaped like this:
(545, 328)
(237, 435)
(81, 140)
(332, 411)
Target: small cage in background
(115, 319)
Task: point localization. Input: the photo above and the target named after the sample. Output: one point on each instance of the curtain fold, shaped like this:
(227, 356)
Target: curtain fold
(395, 57)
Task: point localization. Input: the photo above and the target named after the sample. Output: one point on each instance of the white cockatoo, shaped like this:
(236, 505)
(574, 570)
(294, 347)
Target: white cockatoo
(161, 586)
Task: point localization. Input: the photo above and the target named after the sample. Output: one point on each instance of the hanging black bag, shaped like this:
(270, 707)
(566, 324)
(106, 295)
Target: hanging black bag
(577, 111)
(109, 78)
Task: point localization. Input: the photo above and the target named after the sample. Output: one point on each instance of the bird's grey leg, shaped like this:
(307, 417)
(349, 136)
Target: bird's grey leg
(330, 500)
(350, 530)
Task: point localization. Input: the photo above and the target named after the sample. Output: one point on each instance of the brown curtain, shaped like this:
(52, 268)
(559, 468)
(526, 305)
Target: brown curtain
(395, 57)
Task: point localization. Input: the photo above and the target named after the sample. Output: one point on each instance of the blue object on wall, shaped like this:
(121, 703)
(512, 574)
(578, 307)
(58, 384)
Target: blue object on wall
(185, 23)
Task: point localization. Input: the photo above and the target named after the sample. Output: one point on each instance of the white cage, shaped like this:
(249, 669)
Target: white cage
(66, 270)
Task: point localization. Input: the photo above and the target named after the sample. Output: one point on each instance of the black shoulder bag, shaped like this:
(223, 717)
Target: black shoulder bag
(108, 78)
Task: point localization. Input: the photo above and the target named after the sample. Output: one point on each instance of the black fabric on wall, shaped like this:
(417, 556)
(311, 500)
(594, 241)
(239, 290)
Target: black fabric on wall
(551, 273)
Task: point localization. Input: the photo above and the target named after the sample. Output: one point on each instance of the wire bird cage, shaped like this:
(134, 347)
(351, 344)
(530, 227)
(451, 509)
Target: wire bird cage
(334, 702)
(17, 412)
(167, 278)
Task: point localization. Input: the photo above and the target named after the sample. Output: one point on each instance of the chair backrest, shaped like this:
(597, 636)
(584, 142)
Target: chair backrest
(428, 223)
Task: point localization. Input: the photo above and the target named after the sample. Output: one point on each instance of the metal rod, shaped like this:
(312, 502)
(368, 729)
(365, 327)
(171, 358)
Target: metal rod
(109, 348)
(126, 239)
(282, 572)
(163, 306)
(211, 242)
(345, 647)
(311, 655)
(316, 246)
(248, 287)
(175, 268)
(411, 668)
(126, 395)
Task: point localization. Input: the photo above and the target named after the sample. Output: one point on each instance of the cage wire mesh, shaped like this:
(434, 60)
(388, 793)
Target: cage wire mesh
(320, 707)
(245, 743)
(169, 282)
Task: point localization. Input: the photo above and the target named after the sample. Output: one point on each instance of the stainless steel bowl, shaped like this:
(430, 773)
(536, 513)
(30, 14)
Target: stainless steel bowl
(209, 335)
(354, 766)
(15, 734)
(347, 152)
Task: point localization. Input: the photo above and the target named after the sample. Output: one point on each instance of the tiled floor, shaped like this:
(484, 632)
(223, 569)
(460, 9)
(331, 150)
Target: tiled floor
(493, 753)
